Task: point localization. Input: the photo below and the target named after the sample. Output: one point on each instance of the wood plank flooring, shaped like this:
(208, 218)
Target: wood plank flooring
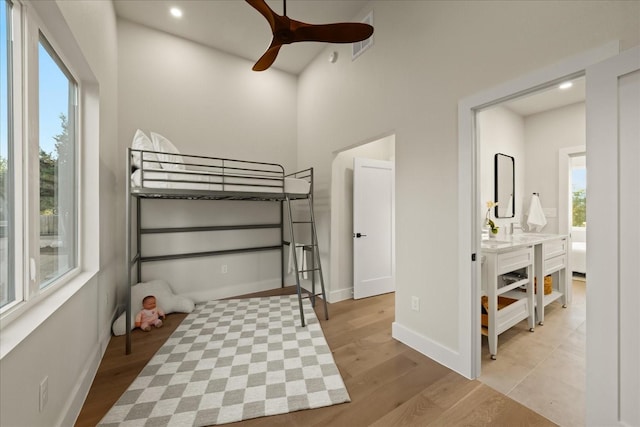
(389, 383)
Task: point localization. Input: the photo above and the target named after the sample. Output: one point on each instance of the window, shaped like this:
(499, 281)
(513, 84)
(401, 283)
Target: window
(7, 292)
(579, 192)
(57, 105)
(39, 219)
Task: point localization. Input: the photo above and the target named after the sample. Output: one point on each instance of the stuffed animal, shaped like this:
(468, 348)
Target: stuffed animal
(149, 315)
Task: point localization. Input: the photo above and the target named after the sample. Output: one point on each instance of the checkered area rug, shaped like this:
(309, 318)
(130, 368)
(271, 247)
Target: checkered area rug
(234, 360)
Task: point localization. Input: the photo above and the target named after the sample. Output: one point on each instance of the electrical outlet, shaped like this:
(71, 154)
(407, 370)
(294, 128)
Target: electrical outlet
(224, 269)
(415, 303)
(44, 392)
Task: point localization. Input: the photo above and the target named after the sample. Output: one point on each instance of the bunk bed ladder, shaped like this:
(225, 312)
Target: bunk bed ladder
(299, 267)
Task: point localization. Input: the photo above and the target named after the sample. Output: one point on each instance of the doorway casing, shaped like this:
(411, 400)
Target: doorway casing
(341, 242)
(469, 209)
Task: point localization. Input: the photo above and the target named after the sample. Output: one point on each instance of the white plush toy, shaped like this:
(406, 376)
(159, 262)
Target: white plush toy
(165, 297)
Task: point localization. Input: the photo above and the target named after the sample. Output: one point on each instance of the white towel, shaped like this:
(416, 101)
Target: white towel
(302, 259)
(536, 219)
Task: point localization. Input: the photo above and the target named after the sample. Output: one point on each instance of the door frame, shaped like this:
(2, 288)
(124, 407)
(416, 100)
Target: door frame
(469, 209)
(612, 340)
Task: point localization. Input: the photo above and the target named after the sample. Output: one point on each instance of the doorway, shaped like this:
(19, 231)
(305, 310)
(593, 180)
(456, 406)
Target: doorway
(532, 130)
(612, 95)
(470, 213)
(341, 261)
(573, 184)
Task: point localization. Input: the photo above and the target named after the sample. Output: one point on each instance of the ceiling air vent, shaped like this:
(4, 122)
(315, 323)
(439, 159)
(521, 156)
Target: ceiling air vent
(358, 48)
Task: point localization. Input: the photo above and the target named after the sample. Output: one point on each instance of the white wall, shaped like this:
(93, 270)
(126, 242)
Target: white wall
(545, 134)
(341, 282)
(500, 130)
(534, 141)
(67, 347)
(207, 103)
(426, 57)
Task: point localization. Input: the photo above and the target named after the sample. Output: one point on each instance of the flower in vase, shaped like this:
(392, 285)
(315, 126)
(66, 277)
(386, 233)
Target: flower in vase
(492, 225)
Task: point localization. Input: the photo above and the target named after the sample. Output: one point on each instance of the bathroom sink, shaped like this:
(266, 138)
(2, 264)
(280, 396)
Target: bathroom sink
(493, 243)
(526, 237)
(531, 237)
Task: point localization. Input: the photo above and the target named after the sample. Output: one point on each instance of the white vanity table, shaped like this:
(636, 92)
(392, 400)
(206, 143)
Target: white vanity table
(511, 263)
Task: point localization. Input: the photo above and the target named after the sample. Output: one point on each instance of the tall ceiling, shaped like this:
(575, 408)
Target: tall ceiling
(233, 26)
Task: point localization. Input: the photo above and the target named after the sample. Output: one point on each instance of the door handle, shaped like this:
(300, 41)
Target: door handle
(359, 235)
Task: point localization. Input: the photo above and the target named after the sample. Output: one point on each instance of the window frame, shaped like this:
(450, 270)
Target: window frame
(27, 31)
(15, 133)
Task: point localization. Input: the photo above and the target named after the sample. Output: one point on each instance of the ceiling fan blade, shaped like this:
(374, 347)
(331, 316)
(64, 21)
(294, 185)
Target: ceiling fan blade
(286, 31)
(267, 58)
(264, 9)
(346, 32)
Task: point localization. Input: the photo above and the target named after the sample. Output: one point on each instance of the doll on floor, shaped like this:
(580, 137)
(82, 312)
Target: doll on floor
(149, 315)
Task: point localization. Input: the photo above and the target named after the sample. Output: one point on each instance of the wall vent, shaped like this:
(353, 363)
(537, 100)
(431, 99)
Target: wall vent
(358, 48)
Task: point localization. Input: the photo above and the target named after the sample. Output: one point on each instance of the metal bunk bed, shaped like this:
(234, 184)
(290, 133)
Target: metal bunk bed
(191, 177)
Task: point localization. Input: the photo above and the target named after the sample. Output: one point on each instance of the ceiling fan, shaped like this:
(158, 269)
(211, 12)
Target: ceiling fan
(286, 30)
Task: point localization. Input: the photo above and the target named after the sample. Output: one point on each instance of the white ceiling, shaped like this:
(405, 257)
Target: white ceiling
(235, 27)
(548, 99)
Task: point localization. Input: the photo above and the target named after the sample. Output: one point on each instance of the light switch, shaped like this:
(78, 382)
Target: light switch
(550, 212)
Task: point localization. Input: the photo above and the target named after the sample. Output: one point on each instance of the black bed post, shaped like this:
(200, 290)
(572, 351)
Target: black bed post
(282, 251)
(139, 238)
(127, 254)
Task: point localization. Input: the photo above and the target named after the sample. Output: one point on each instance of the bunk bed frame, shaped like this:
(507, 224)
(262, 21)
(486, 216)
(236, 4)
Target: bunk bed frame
(191, 177)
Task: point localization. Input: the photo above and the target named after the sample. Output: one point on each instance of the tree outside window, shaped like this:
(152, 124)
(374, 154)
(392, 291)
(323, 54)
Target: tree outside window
(579, 197)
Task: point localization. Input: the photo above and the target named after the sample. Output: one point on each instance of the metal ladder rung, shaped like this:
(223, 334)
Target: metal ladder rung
(314, 249)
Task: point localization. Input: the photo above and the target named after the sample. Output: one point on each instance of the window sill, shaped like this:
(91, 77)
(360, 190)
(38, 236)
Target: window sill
(18, 329)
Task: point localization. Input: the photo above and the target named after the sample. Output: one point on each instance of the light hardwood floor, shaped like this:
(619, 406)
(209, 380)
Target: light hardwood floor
(389, 383)
(545, 370)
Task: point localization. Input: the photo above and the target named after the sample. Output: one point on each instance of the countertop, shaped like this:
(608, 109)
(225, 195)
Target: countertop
(514, 241)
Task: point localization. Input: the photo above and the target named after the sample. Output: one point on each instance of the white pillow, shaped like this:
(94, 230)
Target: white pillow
(165, 299)
(142, 142)
(160, 143)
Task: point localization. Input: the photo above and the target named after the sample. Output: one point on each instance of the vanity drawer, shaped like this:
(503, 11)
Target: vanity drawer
(554, 264)
(554, 248)
(513, 260)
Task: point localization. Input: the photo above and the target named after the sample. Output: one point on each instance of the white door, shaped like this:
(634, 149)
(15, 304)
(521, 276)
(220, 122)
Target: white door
(373, 228)
(613, 235)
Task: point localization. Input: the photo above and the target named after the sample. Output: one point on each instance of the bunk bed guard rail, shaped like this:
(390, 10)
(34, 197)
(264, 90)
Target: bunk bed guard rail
(155, 174)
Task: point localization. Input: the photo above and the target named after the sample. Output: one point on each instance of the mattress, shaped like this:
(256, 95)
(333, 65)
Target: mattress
(579, 257)
(198, 180)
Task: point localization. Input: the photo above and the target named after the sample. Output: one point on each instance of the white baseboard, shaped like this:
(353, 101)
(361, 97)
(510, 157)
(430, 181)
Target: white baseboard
(441, 354)
(340, 295)
(82, 387)
(80, 391)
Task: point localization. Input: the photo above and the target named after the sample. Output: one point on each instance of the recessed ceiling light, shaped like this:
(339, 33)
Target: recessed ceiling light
(565, 85)
(176, 12)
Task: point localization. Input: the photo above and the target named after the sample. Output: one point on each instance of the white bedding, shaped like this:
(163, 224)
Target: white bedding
(198, 180)
(579, 249)
(579, 257)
